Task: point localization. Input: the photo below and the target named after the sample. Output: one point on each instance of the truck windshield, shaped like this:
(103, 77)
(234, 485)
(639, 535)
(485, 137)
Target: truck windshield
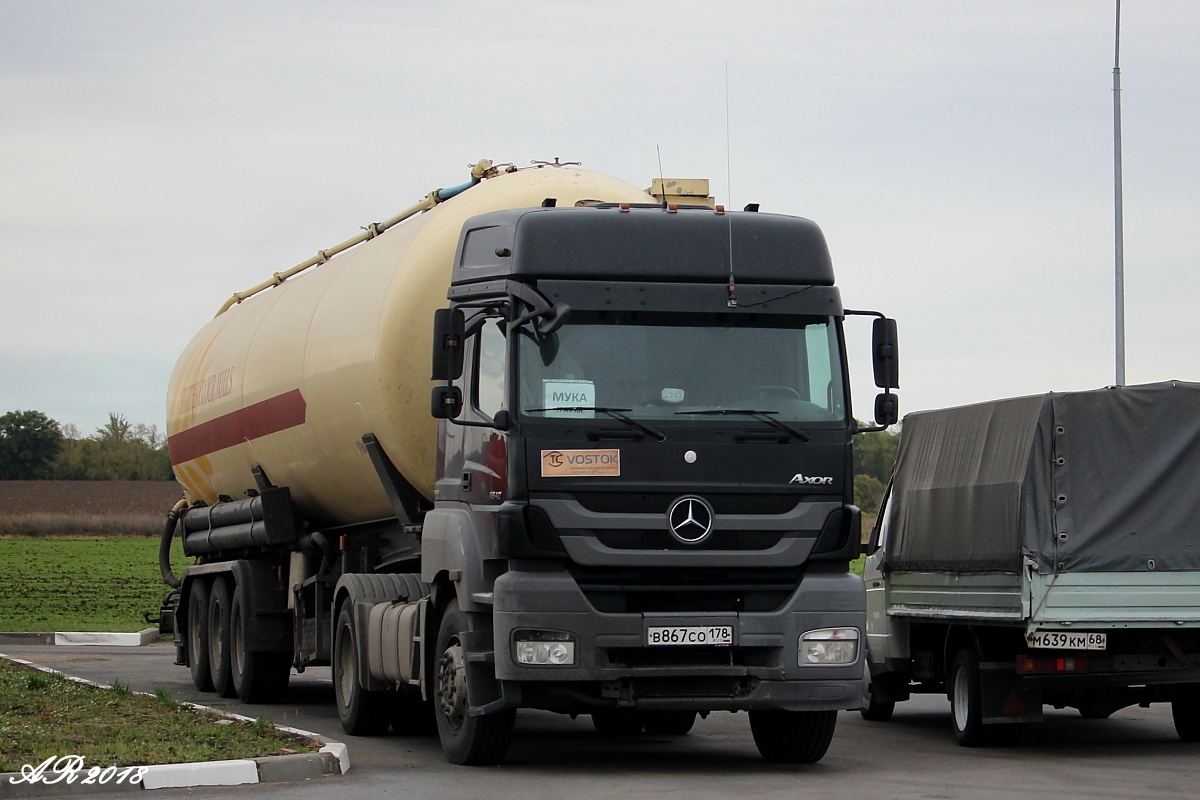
(669, 366)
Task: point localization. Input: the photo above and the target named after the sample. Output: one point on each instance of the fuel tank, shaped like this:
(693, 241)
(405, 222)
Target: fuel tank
(290, 379)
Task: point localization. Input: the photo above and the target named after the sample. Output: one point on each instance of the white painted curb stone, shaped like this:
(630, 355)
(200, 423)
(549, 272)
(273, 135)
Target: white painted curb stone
(203, 773)
(138, 639)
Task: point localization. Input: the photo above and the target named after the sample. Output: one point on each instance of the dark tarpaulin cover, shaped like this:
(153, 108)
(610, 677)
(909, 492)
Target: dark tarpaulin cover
(1099, 481)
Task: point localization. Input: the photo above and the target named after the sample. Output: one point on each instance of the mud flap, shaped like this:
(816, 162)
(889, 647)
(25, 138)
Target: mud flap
(485, 694)
(1005, 697)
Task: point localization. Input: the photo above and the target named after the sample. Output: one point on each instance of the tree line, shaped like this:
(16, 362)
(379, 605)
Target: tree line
(874, 457)
(35, 447)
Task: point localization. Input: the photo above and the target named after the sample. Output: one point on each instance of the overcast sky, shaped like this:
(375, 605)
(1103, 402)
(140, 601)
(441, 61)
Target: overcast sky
(156, 157)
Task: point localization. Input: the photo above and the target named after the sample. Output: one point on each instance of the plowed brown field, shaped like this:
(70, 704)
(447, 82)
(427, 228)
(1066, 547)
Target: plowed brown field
(88, 497)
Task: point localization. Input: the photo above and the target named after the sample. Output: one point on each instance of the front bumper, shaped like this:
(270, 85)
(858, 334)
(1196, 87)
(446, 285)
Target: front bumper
(614, 667)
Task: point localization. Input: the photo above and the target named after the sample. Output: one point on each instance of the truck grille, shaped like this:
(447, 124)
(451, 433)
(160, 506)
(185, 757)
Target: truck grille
(662, 540)
(658, 502)
(620, 590)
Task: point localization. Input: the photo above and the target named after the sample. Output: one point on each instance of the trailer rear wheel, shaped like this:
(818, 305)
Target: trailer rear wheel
(197, 635)
(218, 637)
(465, 739)
(362, 712)
(616, 723)
(1186, 713)
(966, 704)
(257, 676)
(792, 737)
(668, 723)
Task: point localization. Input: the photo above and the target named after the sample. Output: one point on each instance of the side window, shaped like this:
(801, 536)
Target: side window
(490, 369)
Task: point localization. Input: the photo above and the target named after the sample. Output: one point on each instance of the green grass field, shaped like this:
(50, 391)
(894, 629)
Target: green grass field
(44, 716)
(80, 584)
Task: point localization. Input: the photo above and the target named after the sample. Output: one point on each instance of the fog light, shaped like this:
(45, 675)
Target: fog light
(828, 646)
(544, 648)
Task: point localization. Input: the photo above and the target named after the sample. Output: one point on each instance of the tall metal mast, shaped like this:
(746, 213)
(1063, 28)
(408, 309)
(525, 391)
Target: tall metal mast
(1119, 203)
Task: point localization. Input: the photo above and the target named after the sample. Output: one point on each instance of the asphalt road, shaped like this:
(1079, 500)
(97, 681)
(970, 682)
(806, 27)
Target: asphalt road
(1133, 754)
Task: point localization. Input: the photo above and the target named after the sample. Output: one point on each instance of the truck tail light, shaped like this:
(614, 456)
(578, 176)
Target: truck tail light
(1027, 665)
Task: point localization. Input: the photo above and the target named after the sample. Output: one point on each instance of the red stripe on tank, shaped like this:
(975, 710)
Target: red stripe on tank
(272, 415)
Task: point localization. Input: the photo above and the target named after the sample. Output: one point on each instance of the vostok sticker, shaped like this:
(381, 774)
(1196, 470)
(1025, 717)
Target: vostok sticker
(581, 463)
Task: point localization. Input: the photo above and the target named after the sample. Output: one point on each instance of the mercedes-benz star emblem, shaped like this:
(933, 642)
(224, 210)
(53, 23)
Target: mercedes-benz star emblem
(690, 519)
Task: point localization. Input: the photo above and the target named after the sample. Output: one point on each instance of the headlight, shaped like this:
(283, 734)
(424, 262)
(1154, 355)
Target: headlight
(544, 648)
(828, 646)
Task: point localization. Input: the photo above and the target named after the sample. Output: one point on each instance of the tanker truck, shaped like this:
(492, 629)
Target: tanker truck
(552, 443)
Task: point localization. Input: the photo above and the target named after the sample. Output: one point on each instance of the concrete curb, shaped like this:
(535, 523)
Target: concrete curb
(332, 759)
(73, 638)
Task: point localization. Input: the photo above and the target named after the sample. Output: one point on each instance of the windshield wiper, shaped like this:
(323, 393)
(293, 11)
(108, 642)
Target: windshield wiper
(763, 416)
(615, 413)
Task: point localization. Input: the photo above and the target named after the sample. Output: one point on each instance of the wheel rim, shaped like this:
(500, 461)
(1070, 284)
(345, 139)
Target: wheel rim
(962, 699)
(345, 662)
(452, 684)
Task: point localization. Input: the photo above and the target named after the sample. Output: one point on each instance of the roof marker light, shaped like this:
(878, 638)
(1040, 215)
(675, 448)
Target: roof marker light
(672, 207)
(720, 209)
(624, 206)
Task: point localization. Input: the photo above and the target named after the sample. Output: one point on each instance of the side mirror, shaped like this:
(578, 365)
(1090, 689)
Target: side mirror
(448, 345)
(555, 320)
(885, 353)
(887, 409)
(446, 402)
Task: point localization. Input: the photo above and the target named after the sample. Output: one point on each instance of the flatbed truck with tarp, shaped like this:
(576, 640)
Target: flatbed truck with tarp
(1040, 551)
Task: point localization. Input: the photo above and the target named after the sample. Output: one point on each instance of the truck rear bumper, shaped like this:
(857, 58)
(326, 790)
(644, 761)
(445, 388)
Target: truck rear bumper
(613, 666)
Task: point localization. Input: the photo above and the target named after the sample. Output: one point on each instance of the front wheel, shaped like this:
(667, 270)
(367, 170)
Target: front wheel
(792, 737)
(875, 710)
(465, 739)
(1185, 711)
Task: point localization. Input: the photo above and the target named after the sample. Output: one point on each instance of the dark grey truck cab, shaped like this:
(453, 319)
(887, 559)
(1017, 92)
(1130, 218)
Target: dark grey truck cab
(643, 507)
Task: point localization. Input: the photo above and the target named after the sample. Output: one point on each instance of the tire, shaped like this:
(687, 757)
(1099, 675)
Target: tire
(1185, 711)
(875, 710)
(257, 677)
(966, 704)
(615, 723)
(669, 723)
(465, 739)
(792, 737)
(362, 712)
(197, 635)
(218, 637)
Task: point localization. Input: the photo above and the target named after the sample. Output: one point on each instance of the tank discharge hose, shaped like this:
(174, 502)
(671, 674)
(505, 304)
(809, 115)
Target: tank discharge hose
(164, 546)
